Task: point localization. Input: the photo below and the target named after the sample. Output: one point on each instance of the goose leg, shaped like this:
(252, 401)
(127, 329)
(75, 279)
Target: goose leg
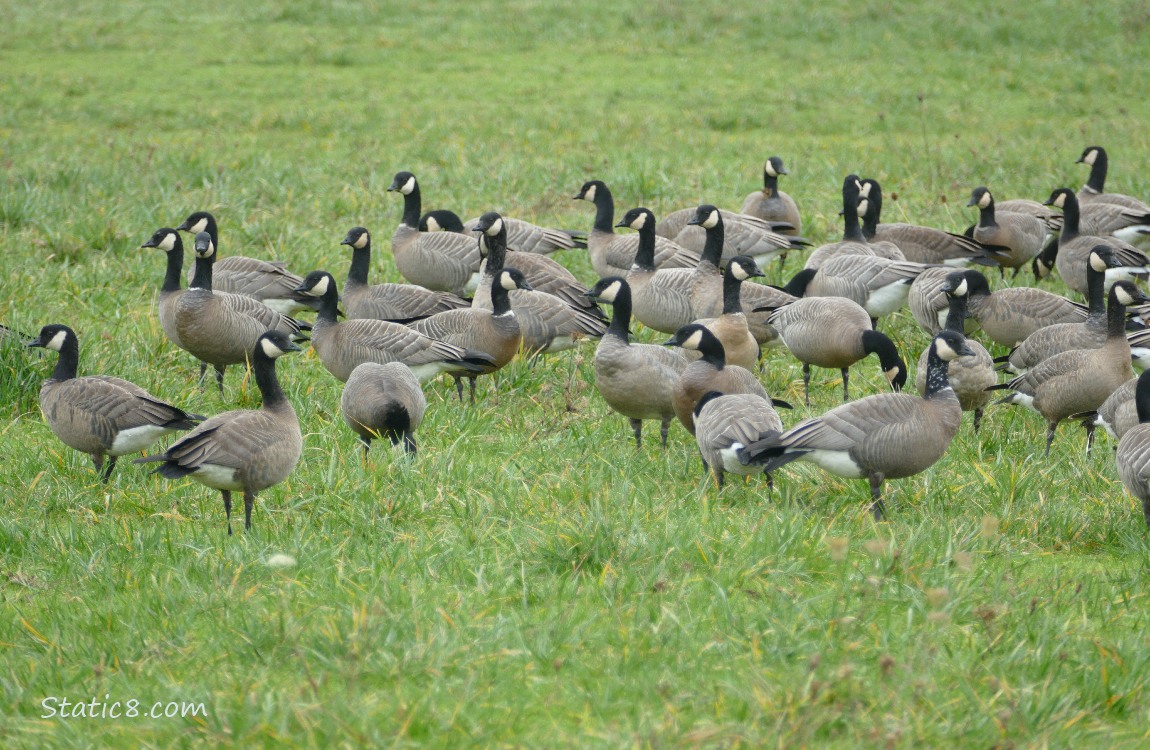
(366, 446)
(770, 481)
(1089, 425)
(637, 428)
(459, 388)
(108, 471)
(471, 385)
(98, 462)
(203, 373)
(878, 508)
(1050, 428)
(977, 419)
(409, 444)
(228, 508)
(220, 377)
(846, 384)
(249, 501)
(719, 476)
(664, 428)
(807, 382)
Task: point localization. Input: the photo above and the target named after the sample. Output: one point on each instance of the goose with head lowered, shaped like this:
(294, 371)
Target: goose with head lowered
(341, 346)
(387, 301)
(440, 261)
(494, 332)
(220, 329)
(245, 450)
(547, 322)
(103, 416)
(612, 254)
(724, 424)
(636, 380)
(1080, 380)
(884, 436)
(269, 282)
(383, 401)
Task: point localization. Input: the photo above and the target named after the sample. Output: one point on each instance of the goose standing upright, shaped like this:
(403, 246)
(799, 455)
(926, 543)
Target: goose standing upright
(440, 261)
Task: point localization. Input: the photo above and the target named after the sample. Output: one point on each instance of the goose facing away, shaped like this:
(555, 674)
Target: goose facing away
(636, 380)
(103, 416)
(726, 423)
(1074, 247)
(1133, 456)
(885, 436)
(245, 450)
(383, 401)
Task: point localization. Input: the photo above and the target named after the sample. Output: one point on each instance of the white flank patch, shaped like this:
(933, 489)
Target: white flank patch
(57, 342)
(887, 299)
(560, 343)
(472, 283)
(217, 477)
(137, 438)
(1021, 399)
(732, 463)
(280, 560)
(424, 373)
(836, 462)
(1134, 235)
(1140, 356)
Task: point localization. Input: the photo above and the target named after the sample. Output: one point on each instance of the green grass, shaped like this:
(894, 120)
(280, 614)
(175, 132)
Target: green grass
(531, 581)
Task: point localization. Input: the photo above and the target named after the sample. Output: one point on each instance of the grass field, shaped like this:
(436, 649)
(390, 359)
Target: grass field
(531, 581)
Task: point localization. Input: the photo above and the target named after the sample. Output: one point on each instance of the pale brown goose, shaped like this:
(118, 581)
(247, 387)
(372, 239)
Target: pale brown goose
(103, 416)
(341, 346)
(441, 261)
(525, 237)
(919, 244)
(970, 376)
(1094, 191)
(772, 204)
(878, 285)
(711, 373)
(885, 436)
(269, 282)
(835, 333)
(1062, 337)
(636, 380)
(1008, 316)
(1116, 415)
(744, 235)
(612, 254)
(726, 423)
(731, 326)
(1133, 456)
(1074, 247)
(220, 329)
(171, 290)
(661, 297)
(387, 301)
(494, 332)
(383, 401)
(246, 450)
(928, 303)
(1080, 380)
(1014, 239)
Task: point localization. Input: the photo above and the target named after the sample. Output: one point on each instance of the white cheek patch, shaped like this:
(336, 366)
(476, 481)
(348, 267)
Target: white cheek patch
(169, 243)
(984, 201)
(1090, 157)
(611, 292)
(891, 374)
(738, 272)
(640, 221)
(270, 350)
(1097, 263)
(320, 288)
(495, 228)
(57, 342)
(770, 170)
(361, 243)
(960, 290)
(433, 225)
(507, 281)
(945, 353)
(589, 194)
(1060, 201)
(862, 206)
(1124, 298)
(693, 341)
(408, 187)
(712, 220)
(199, 226)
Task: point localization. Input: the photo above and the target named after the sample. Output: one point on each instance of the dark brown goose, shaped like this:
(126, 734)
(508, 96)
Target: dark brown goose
(885, 436)
(103, 416)
(387, 301)
(246, 450)
(383, 401)
(636, 380)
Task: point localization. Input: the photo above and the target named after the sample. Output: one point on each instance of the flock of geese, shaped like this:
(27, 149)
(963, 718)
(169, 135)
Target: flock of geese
(478, 293)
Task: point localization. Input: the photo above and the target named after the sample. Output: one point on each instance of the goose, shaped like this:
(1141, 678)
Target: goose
(547, 322)
(612, 254)
(442, 220)
(929, 304)
(636, 380)
(772, 204)
(1074, 248)
(1133, 456)
(969, 376)
(269, 282)
(731, 327)
(1116, 415)
(879, 285)
(1061, 337)
(542, 273)
(1008, 316)
(525, 237)
(726, 423)
(1079, 380)
(918, 244)
(1094, 191)
(744, 235)
(383, 401)
(834, 332)
(220, 329)
(387, 301)
(245, 450)
(1013, 238)
(169, 240)
(494, 332)
(101, 415)
(854, 242)
(710, 373)
(440, 261)
(341, 346)
(884, 436)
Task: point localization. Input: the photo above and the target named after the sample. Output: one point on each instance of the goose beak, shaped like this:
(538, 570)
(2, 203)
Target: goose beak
(149, 243)
(184, 227)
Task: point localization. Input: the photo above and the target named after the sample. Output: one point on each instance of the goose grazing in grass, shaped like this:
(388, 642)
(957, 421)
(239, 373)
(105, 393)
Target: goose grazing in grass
(103, 416)
(885, 436)
(383, 401)
(724, 424)
(245, 450)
